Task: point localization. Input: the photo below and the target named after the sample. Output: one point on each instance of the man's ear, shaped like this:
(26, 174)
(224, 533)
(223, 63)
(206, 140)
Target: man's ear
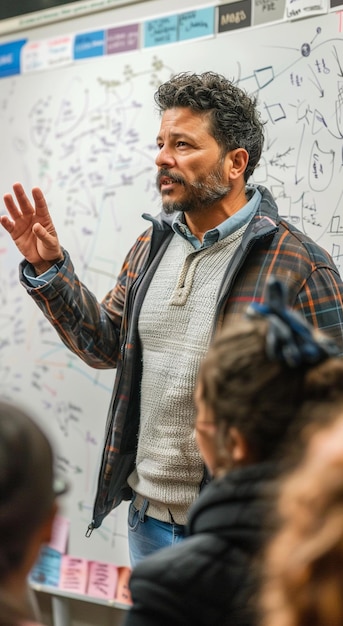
(238, 447)
(239, 160)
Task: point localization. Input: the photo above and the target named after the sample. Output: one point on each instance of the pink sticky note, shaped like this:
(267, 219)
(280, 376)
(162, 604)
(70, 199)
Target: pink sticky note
(123, 592)
(102, 580)
(74, 574)
(60, 534)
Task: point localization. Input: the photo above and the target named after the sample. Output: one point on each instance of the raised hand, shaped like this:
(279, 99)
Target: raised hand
(31, 228)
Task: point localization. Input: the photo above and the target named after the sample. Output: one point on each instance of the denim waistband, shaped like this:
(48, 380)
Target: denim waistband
(160, 510)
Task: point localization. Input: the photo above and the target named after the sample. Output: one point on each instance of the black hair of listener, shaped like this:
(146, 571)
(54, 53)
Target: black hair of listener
(28, 491)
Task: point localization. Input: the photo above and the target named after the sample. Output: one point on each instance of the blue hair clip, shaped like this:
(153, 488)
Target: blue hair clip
(290, 338)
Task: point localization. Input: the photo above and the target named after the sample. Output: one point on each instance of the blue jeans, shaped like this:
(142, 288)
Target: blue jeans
(147, 534)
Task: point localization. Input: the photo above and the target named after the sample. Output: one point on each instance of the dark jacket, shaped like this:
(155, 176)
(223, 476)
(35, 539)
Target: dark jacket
(106, 335)
(207, 579)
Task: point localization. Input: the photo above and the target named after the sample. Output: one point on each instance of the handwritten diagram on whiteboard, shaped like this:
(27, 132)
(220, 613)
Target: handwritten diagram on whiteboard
(86, 135)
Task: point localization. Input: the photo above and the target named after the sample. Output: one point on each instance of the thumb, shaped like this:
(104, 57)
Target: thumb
(50, 242)
(39, 231)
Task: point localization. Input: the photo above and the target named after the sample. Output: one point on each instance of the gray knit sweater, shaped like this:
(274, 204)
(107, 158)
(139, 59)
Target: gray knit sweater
(175, 327)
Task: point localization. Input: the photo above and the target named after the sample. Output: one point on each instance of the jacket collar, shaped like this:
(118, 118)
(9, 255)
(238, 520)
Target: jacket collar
(227, 504)
(263, 223)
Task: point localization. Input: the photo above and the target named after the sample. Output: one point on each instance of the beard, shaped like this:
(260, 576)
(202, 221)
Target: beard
(200, 194)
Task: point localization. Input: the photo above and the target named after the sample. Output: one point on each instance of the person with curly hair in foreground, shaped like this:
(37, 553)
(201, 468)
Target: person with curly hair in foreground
(303, 563)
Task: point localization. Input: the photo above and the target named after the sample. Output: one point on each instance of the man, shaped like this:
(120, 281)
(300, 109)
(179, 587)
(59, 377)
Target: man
(201, 260)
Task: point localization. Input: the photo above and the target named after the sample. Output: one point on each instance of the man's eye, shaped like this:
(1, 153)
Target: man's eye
(181, 144)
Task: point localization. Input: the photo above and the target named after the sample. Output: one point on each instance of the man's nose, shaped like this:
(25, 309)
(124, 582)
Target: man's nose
(164, 158)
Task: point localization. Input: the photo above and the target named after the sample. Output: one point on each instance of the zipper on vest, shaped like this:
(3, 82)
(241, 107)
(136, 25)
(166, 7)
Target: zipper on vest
(90, 529)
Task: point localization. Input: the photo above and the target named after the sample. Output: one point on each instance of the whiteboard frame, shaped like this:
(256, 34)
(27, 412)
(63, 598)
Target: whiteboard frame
(60, 13)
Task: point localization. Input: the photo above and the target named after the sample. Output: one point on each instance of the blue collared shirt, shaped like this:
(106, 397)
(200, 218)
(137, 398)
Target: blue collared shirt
(38, 281)
(229, 226)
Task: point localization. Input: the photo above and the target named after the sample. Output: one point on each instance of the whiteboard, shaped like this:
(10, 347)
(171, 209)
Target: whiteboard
(85, 134)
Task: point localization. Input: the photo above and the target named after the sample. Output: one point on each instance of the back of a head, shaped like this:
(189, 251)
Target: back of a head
(265, 395)
(302, 583)
(26, 483)
(234, 119)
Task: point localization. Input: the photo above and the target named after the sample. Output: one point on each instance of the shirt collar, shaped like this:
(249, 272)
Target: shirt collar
(228, 227)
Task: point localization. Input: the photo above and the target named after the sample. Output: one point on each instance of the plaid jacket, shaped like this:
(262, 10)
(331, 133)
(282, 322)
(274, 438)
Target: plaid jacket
(105, 334)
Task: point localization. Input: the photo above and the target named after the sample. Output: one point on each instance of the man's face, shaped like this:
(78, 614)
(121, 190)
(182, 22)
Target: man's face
(191, 167)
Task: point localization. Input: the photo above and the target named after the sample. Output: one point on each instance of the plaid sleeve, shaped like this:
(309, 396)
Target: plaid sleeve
(83, 324)
(321, 302)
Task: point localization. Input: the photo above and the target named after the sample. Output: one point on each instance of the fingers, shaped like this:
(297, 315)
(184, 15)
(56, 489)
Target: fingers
(22, 199)
(6, 223)
(11, 207)
(24, 206)
(40, 202)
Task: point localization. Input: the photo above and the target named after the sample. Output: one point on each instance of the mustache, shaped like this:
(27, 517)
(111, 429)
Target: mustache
(164, 173)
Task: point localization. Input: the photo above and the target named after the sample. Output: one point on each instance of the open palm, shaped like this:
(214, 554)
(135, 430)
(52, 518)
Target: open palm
(31, 227)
